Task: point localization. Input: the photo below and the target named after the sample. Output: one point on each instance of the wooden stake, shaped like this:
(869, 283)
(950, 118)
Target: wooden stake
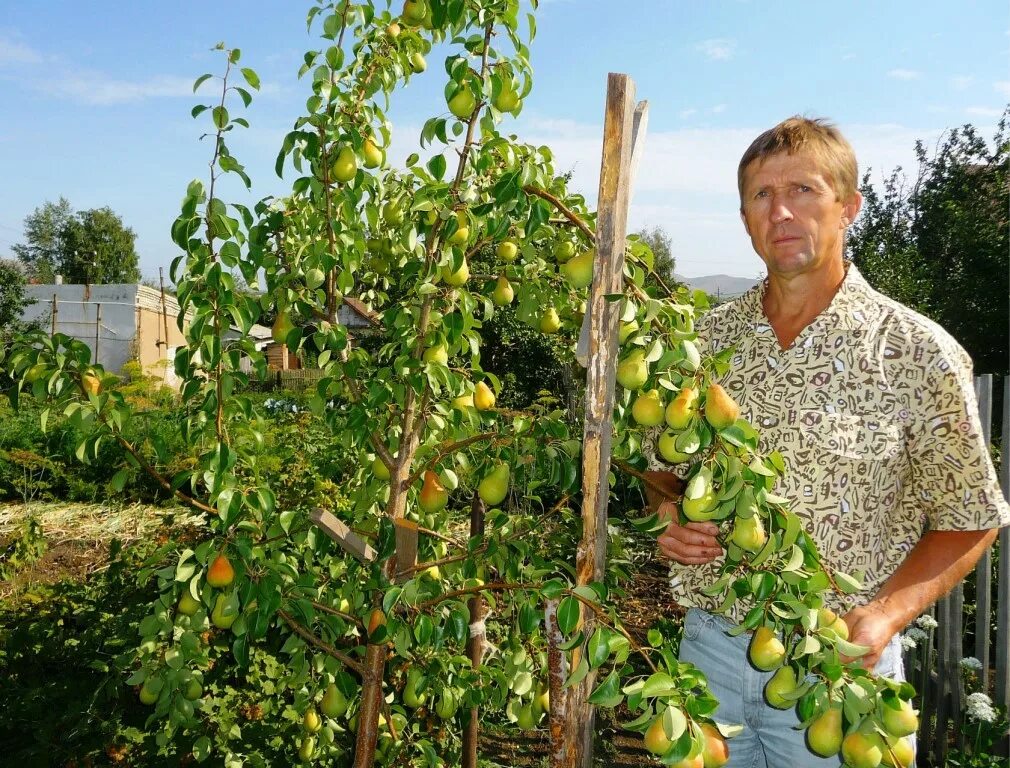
(608, 278)
(345, 538)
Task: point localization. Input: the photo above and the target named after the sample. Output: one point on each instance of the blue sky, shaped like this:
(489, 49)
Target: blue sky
(96, 98)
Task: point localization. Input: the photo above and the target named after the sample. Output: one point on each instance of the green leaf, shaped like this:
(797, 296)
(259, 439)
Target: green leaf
(848, 584)
(201, 749)
(251, 78)
(568, 615)
(598, 648)
(608, 693)
(220, 115)
(437, 166)
(200, 81)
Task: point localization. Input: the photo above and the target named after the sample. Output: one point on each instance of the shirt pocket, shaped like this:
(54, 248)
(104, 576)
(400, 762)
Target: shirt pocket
(850, 436)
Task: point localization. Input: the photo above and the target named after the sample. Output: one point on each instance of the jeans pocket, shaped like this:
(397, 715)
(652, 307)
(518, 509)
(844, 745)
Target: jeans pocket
(694, 623)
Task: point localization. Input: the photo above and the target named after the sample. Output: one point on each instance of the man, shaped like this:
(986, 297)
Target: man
(871, 405)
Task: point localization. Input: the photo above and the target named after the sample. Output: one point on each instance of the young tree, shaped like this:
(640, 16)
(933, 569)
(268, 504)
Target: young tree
(13, 301)
(42, 251)
(98, 248)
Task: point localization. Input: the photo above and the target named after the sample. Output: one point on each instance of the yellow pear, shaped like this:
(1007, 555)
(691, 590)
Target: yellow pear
(379, 469)
(311, 720)
(656, 740)
(371, 153)
(458, 277)
(781, 683)
(667, 446)
(824, 736)
(648, 409)
(462, 233)
(187, 605)
(683, 408)
(633, 371)
(150, 689)
(715, 753)
(495, 487)
(624, 330)
(434, 496)
(579, 269)
(334, 703)
(446, 706)
(417, 63)
(502, 294)
(436, 354)
(282, 327)
(414, 11)
(766, 651)
(903, 721)
(721, 410)
(549, 321)
(564, 250)
(345, 166)
(863, 750)
(483, 397)
(307, 748)
(507, 250)
(463, 103)
(898, 754)
(828, 619)
(463, 402)
(749, 533)
(507, 99)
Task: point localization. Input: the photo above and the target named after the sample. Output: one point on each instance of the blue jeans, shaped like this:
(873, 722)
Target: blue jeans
(769, 738)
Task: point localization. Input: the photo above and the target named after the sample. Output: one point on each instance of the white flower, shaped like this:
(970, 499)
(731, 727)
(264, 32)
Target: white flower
(927, 622)
(916, 634)
(970, 663)
(907, 643)
(980, 708)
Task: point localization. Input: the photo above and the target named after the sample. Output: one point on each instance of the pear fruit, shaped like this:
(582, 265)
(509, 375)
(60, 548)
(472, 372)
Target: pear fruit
(525, 718)
(903, 721)
(863, 750)
(715, 753)
(462, 233)
(411, 697)
(393, 30)
(648, 409)
(458, 277)
(345, 166)
(579, 269)
(507, 99)
(372, 155)
(282, 327)
(549, 321)
(483, 397)
(702, 508)
(749, 533)
(314, 277)
(225, 610)
(311, 721)
(624, 330)
(683, 408)
(462, 402)
(780, 684)
(502, 294)
(463, 103)
(307, 748)
(495, 486)
(187, 605)
(633, 371)
(417, 63)
(447, 704)
(220, 573)
(91, 384)
(414, 11)
(334, 703)
(564, 250)
(898, 754)
(542, 699)
(828, 619)
(149, 690)
(507, 250)
(193, 690)
(379, 469)
(433, 496)
(824, 736)
(436, 354)
(721, 410)
(766, 651)
(656, 740)
(375, 620)
(698, 761)
(392, 213)
(667, 447)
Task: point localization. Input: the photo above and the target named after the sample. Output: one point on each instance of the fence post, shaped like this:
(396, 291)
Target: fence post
(983, 570)
(1003, 577)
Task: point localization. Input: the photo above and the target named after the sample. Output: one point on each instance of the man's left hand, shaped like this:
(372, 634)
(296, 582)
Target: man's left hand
(871, 626)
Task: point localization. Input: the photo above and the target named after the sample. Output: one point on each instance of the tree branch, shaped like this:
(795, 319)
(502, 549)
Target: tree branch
(309, 637)
(569, 214)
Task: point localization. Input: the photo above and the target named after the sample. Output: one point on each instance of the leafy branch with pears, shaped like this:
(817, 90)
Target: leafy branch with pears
(376, 670)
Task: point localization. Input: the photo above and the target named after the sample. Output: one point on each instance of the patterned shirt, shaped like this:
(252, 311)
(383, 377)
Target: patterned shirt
(874, 411)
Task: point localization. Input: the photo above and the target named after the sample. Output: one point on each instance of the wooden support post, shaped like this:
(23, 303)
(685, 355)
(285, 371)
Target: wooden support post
(53, 318)
(345, 538)
(475, 645)
(164, 306)
(98, 330)
(983, 570)
(608, 278)
(371, 704)
(557, 673)
(406, 547)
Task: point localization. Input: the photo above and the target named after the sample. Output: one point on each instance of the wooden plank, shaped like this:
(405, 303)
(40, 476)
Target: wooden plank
(345, 538)
(608, 278)
(639, 123)
(983, 569)
(1002, 691)
(406, 547)
(949, 692)
(927, 694)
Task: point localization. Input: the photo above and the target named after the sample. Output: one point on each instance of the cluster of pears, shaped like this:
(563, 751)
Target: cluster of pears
(709, 751)
(220, 575)
(681, 440)
(531, 698)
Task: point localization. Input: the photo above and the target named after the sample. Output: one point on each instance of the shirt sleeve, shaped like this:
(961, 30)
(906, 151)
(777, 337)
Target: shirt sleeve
(952, 472)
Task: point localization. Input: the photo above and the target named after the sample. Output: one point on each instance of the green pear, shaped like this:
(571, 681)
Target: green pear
(721, 410)
(392, 213)
(187, 604)
(314, 277)
(899, 753)
(379, 469)
(414, 11)
(781, 683)
(495, 486)
(226, 610)
(579, 269)
(624, 330)
(436, 354)
(667, 447)
(150, 689)
(549, 321)
(633, 371)
(462, 233)
(458, 277)
(863, 750)
(193, 690)
(766, 651)
(749, 533)
(683, 408)
(526, 720)
(307, 748)
(502, 294)
(702, 508)
(507, 99)
(648, 409)
(564, 250)
(902, 721)
(411, 697)
(446, 706)
(373, 156)
(417, 63)
(345, 166)
(334, 703)
(463, 103)
(507, 250)
(282, 327)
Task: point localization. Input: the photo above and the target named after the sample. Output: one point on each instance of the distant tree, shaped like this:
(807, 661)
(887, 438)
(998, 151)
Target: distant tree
(90, 246)
(42, 251)
(942, 244)
(13, 301)
(661, 244)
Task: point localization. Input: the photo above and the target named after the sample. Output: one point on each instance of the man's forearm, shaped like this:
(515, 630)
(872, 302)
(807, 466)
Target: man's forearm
(932, 569)
(665, 480)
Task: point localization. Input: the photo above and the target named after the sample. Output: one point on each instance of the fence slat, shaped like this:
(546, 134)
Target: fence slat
(1003, 578)
(983, 571)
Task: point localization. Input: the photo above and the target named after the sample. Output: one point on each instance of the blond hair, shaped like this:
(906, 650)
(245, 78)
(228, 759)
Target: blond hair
(815, 137)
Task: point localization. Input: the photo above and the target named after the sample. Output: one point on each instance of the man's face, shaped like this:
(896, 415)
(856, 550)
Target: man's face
(795, 221)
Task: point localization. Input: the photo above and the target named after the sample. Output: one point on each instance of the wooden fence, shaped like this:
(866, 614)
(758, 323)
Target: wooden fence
(934, 665)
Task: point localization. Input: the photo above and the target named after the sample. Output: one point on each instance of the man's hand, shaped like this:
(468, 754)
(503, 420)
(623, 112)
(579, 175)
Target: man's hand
(871, 626)
(691, 544)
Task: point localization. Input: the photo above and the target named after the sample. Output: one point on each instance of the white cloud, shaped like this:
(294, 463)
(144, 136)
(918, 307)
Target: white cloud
(717, 48)
(904, 74)
(984, 111)
(13, 52)
(718, 109)
(961, 82)
(1002, 87)
(96, 88)
(685, 113)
